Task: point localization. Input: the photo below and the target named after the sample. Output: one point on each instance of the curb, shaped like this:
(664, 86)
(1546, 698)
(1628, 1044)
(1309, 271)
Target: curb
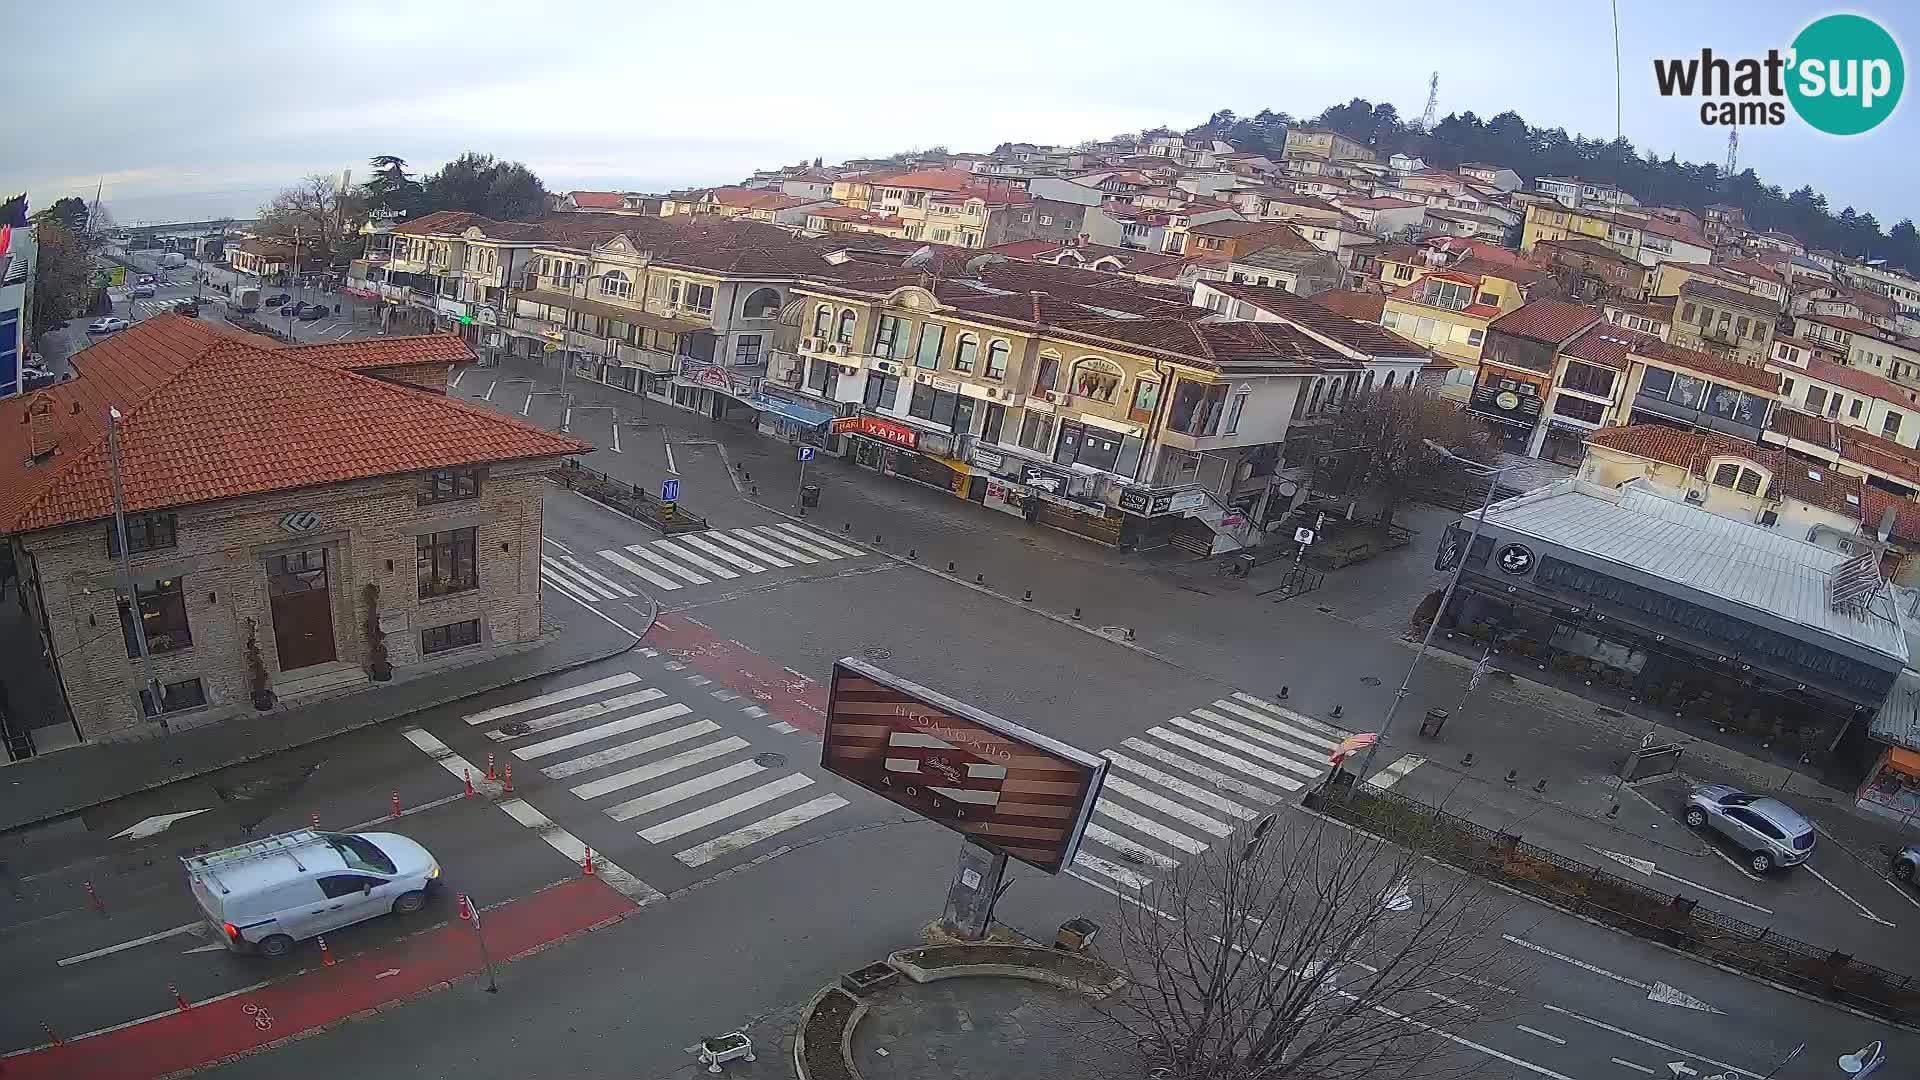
(256, 755)
(846, 1035)
(1529, 898)
(1028, 972)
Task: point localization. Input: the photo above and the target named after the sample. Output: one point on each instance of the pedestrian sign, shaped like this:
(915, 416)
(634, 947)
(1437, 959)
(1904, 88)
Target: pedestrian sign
(806, 453)
(670, 490)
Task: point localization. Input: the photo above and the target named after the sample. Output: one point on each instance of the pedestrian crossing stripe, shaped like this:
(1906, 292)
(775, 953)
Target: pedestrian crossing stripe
(1180, 787)
(677, 563)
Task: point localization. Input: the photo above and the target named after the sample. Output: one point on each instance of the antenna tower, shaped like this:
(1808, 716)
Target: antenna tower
(1433, 102)
(1733, 152)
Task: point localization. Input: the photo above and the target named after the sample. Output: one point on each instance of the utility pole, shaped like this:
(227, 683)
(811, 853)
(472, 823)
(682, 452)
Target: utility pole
(150, 689)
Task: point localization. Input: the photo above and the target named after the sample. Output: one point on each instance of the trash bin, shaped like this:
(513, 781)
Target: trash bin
(810, 495)
(1431, 724)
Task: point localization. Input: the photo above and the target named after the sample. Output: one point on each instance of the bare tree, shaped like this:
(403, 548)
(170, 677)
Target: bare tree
(1302, 949)
(1379, 438)
(317, 209)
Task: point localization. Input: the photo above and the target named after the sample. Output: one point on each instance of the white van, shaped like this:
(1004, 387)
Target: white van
(265, 895)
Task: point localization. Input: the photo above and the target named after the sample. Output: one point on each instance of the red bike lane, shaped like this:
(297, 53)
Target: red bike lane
(785, 694)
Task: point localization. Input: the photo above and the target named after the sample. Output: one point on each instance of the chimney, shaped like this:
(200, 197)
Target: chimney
(42, 435)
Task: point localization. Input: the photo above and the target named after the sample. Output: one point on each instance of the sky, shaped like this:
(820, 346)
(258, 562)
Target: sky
(203, 110)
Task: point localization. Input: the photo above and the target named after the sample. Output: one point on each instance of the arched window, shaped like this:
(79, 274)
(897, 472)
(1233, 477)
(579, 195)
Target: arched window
(615, 283)
(964, 353)
(845, 333)
(822, 320)
(1095, 378)
(762, 304)
(997, 360)
(1388, 385)
(1313, 403)
(1367, 387)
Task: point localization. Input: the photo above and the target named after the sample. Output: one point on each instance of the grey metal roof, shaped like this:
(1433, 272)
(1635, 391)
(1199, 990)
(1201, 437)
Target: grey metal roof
(1898, 720)
(1721, 557)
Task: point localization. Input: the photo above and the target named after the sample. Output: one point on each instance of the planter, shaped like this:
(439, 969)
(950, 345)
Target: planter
(1068, 971)
(819, 1048)
(716, 1049)
(869, 978)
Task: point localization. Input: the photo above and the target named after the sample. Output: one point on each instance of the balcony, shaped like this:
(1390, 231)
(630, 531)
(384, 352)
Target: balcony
(586, 342)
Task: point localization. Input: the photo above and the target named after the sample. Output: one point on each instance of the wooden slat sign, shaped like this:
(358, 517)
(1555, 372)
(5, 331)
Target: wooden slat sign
(1010, 789)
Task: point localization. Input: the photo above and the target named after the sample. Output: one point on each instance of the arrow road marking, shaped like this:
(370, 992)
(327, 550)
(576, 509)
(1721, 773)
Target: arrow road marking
(1658, 992)
(1732, 1070)
(1679, 1068)
(387, 973)
(155, 825)
(1647, 867)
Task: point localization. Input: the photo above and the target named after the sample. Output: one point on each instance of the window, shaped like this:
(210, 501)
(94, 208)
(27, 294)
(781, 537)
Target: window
(1196, 407)
(448, 485)
(964, 352)
(339, 885)
(1686, 313)
(746, 350)
(996, 419)
(697, 298)
(1475, 337)
(174, 697)
(1088, 446)
(163, 616)
(1036, 432)
(615, 283)
(1587, 379)
(761, 304)
(1726, 474)
(1046, 219)
(936, 406)
(1146, 398)
(1489, 299)
(942, 236)
(1447, 294)
(890, 337)
(927, 354)
(823, 378)
(673, 293)
(1740, 328)
(1749, 482)
(882, 390)
(1891, 425)
(822, 320)
(145, 532)
(446, 563)
(1854, 409)
(1833, 404)
(1578, 409)
(459, 635)
(1049, 373)
(1237, 405)
(1096, 379)
(1816, 398)
(845, 333)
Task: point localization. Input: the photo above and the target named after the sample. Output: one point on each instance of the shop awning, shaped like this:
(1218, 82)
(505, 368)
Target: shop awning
(798, 413)
(630, 316)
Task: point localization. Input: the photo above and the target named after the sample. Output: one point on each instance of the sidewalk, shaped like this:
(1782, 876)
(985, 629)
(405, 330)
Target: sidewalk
(55, 784)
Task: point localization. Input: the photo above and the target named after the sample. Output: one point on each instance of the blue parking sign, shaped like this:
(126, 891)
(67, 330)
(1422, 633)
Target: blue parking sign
(806, 453)
(670, 490)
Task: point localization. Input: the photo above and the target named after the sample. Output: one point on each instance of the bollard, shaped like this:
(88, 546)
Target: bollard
(876, 538)
(756, 491)
(1467, 761)
(1512, 775)
(913, 553)
(586, 863)
(396, 804)
(1336, 711)
(1541, 786)
(1029, 597)
(506, 787)
(52, 1036)
(466, 913)
(1076, 614)
(468, 775)
(326, 954)
(94, 897)
(949, 566)
(979, 579)
(491, 773)
(1283, 692)
(846, 526)
(316, 822)
(178, 999)
(1613, 811)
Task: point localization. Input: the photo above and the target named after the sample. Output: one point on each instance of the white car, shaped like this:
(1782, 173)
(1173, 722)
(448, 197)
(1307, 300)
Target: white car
(264, 896)
(107, 325)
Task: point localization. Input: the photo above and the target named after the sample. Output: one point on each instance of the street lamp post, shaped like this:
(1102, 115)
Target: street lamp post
(1493, 483)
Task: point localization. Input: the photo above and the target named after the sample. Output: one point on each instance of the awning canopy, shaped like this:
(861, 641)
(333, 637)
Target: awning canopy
(631, 316)
(795, 412)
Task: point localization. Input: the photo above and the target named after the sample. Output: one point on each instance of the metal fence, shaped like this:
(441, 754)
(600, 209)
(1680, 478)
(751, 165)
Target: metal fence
(669, 518)
(1672, 920)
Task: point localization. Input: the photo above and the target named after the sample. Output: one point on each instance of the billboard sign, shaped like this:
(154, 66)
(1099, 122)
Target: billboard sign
(1015, 791)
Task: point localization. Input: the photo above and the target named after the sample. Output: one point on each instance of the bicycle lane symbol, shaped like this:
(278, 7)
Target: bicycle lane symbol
(261, 1018)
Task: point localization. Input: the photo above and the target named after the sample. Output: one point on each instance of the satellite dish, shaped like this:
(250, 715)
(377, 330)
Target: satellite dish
(978, 262)
(919, 258)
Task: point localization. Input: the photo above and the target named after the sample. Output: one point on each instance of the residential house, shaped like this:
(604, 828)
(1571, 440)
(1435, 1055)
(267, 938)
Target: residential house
(265, 259)
(1578, 194)
(949, 206)
(1402, 163)
(1865, 346)
(1723, 321)
(1850, 397)
(1653, 317)
(1775, 240)
(1724, 224)
(1325, 144)
(1831, 336)
(1592, 272)
(1387, 216)
(1495, 176)
(1388, 358)
(834, 218)
(1449, 308)
(1230, 238)
(1515, 370)
(1291, 264)
(594, 201)
(1465, 223)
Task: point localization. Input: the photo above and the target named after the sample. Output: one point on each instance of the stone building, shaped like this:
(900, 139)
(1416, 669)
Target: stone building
(290, 513)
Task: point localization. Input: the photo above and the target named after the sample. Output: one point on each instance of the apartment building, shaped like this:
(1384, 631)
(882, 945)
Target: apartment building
(1723, 321)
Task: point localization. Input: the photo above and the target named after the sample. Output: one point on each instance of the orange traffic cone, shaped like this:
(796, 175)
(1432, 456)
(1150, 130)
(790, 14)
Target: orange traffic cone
(326, 954)
(586, 863)
(466, 913)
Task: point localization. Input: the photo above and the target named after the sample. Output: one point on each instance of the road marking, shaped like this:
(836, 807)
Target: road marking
(1647, 866)
(188, 928)
(668, 565)
(748, 835)
(560, 573)
(1240, 765)
(616, 433)
(1631, 1065)
(686, 789)
(1733, 862)
(1206, 798)
(799, 543)
(1152, 828)
(639, 571)
(601, 758)
(563, 548)
(571, 592)
(735, 542)
(1658, 992)
(1304, 735)
(1192, 817)
(721, 553)
(597, 577)
(818, 539)
(584, 712)
(515, 708)
(668, 443)
(1902, 891)
(556, 837)
(488, 396)
(726, 808)
(1392, 774)
(1537, 1033)
(599, 732)
(1299, 718)
(1103, 835)
(1849, 899)
(782, 728)
(778, 544)
(1292, 748)
(1261, 752)
(654, 769)
(1655, 1043)
(157, 824)
(1132, 879)
(696, 559)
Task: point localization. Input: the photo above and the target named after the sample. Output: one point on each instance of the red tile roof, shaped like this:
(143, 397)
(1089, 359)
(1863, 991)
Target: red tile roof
(1729, 371)
(1850, 325)
(371, 353)
(597, 200)
(1718, 294)
(209, 417)
(1382, 202)
(1548, 321)
(1361, 336)
(1354, 304)
(1607, 345)
(1865, 383)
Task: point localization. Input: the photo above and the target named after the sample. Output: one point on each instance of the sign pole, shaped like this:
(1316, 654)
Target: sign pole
(975, 886)
(800, 489)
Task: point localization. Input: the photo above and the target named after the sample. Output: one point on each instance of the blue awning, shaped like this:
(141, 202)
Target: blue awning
(798, 413)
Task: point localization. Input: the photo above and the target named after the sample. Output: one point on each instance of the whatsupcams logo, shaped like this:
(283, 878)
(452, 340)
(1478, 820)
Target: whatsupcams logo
(1843, 75)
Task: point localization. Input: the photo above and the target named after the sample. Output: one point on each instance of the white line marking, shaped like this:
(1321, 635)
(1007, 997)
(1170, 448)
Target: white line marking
(1902, 891)
(488, 396)
(1293, 716)
(571, 591)
(735, 543)
(681, 760)
(639, 571)
(1261, 752)
(188, 928)
(1211, 800)
(1307, 736)
(721, 553)
(1174, 738)
(818, 540)
(1733, 862)
(668, 443)
(726, 808)
(515, 708)
(799, 543)
(1121, 785)
(695, 559)
(156, 824)
(597, 577)
(584, 712)
(1132, 879)
(1391, 775)
(563, 548)
(776, 543)
(782, 728)
(1659, 992)
(1537, 1033)
(1294, 749)
(1100, 834)
(748, 835)
(1145, 825)
(556, 837)
(609, 756)
(1844, 896)
(686, 789)
(599, 732)
(668, 565)
(1651, 1042)
(1631, 1065)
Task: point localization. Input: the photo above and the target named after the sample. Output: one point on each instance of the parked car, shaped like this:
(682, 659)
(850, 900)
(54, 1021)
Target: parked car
(315, 312)
(107, 325)
(293, 310)
(188, 308)
(277, 299)
(263, 896)
(1768, 830)
(140, 292)
(1906, 865)
(33, 378)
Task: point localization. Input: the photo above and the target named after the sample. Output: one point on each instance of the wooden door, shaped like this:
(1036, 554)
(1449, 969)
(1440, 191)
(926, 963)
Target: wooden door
(302, 608)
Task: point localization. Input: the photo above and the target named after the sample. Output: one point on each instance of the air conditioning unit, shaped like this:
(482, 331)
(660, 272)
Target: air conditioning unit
(1056, 397)
(809, 344)
(841, 348)
(922, 377)
(1696, 497)
(993, 391)
(1769, 517)
(792, 377)
(890, 367)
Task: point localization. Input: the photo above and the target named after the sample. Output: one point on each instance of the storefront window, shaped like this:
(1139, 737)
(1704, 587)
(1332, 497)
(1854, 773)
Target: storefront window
(1895, 788)
(1036, 432)
(937, 406)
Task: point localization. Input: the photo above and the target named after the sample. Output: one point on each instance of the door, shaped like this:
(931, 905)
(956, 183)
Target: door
(302, 608)
(351, 898)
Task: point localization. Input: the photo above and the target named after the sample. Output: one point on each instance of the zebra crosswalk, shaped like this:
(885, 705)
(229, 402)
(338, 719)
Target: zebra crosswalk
(690, 559)
(1182, 786)
(650, 763)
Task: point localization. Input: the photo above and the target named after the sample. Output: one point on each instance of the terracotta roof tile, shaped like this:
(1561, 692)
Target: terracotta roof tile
(1365, 337)
(208, 417)
(1718, 294)
(1861, 382)
(597, 200)
(1607, 345)
(1354, 304)
(1548, 321)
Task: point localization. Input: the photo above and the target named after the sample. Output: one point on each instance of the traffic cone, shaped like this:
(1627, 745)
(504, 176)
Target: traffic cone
(178, 999)
(326, 954)
(468, 775)
(316, 822)
(491, 774)
(506, 786)
(586, 863)
(396, 804)
(466, 913)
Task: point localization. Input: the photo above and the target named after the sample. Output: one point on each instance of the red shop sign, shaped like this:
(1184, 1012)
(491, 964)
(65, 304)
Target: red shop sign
(897, 434)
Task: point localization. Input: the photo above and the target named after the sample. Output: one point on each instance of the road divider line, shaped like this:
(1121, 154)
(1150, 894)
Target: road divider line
(1849, 899)
(186, 928)
(1658, 992)
(1538, 1034)
(515, 708)
(1655, 1043)
(1631, 1065)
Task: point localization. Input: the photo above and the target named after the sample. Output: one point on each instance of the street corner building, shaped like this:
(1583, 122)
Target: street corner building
(298, 521)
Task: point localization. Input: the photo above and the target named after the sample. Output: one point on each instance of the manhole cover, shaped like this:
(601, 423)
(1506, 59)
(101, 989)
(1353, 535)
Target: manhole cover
(514, 728)
(769, 760)
(1370, 680)
(877, 654)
